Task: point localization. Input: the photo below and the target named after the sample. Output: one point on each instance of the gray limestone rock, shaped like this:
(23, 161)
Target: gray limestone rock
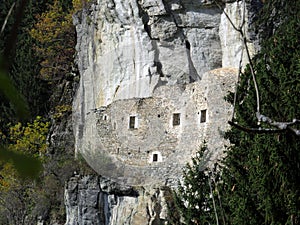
(94, 200)
(161, 52)
(153, 77)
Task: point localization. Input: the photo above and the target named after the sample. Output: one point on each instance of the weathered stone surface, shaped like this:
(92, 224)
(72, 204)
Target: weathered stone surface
(126, 47)
(231, 39)
(88, 203)
(152, 52)
(151, 148)
(148, 59)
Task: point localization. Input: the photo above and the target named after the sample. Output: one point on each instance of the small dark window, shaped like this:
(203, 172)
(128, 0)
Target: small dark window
(187, 45)
(176, 119)
(155, 157)
(203, 116)
(132, 122)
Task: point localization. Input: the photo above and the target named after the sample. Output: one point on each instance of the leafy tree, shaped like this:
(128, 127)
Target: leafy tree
(18, 67)
(17, 192)
(23, 200)
(29, 139)
(55, 34)
(14, 77)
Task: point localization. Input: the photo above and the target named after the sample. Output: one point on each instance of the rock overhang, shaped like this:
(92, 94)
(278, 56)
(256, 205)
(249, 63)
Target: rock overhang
(151, 53)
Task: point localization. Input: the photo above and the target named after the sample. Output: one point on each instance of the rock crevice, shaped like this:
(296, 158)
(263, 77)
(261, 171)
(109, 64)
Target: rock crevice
(143, 63)
(96, 200)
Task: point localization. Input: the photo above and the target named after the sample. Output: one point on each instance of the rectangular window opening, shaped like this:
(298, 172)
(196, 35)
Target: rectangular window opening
(132, 122)
(176, 119)
(155, 158)
(203, 116)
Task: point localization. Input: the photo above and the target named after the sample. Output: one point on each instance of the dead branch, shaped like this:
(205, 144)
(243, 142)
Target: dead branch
(280, 126)
(258, 130)
(7, 16)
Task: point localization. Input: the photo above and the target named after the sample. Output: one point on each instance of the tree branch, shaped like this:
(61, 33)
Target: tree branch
(244, 39)
(6, 18)
(254, 130)
(280, 126)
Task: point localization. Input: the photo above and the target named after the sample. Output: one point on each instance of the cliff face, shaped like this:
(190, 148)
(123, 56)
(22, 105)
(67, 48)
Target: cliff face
(142, 65)
(161, 51)
(96, 200)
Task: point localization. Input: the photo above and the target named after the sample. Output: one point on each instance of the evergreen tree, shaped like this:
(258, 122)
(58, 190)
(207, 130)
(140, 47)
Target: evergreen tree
(262, 170)
(260, 179)
(197, 196)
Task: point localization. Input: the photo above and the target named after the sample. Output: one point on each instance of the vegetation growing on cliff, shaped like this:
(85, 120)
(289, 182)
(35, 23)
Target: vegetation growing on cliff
(260, 177)
(22, 66)
(198, 194)
(16, 192)
(55, 36)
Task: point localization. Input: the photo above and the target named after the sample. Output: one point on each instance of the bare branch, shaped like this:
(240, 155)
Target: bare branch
(236, 85)
(7, 16)
(244, 39)
(213, 199)
(230, 21)
(253, 76)
(280, 126)
(255, 130)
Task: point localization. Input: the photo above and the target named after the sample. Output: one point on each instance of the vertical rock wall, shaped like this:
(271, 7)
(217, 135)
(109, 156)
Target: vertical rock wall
(130, 50)
(126, 49)
(96, 200)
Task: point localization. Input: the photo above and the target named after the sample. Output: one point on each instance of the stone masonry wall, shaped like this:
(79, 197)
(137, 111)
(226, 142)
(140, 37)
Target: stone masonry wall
(154, 149)
(150, 59)
(144, 59)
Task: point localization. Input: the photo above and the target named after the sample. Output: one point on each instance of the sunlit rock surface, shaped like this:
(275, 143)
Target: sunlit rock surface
(153, 76)
(158, 53)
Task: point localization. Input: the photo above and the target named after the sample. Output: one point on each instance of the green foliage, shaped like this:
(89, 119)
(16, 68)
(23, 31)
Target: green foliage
(20, 86)
(20, 161)
(23, 143)
(196, 195)
(261, 172)
(11, 93)
(55, 36)
(61, 111)
(11, 97)
(25, 165)
(263, 169)
(23, 200)
(30, 138)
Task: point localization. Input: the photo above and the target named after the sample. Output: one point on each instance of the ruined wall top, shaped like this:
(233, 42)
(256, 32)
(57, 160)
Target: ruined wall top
(142, 141)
